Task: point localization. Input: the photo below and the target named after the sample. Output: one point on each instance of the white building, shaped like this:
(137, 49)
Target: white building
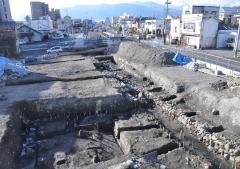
(154, 25)
(65, 25)
(175, 32)
(199, 9)
(43, 25)
(199, 30)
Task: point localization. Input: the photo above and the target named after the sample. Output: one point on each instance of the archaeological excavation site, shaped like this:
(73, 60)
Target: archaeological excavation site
(132, 109)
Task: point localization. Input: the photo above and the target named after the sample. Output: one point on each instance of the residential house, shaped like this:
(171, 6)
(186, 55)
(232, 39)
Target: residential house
(29, 34)
(228, 35)
(224, 36)
(226, 15)
(199, 30)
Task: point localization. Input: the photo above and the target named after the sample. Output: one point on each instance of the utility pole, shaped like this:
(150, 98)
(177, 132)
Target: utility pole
(167, 3)
(237, 40)
(167, 11)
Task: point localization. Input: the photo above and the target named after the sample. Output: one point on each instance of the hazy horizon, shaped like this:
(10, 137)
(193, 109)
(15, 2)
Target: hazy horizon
(19, 14)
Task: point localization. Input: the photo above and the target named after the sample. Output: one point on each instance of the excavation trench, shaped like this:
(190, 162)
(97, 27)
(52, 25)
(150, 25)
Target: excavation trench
(96, 131)
(44, 129)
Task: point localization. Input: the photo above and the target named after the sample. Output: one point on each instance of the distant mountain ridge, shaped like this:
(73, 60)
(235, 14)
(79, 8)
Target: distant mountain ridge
(102, 11)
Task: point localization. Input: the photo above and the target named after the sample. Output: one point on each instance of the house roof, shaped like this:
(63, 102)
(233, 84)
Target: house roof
(30, 29)
(229, 9)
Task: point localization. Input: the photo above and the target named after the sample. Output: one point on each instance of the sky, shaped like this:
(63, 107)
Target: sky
(21, 8)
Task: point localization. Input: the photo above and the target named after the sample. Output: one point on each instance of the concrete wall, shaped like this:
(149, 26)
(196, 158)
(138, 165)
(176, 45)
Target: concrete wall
(192, 41)
(191, 24)
(209, 33)
(175, 29)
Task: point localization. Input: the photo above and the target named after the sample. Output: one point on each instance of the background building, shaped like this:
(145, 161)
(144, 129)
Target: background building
(8, 46)
(198, 9)
(5, 12)
(199, 31)
(39, 9)
(55, 14)
(29, 34)
(43, 24)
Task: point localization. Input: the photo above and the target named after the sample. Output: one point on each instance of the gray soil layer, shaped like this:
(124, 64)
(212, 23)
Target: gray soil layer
(68, 87)
(197, 85)
(141, 142)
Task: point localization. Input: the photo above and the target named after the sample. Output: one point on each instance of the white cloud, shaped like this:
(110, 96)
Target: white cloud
(21, 8)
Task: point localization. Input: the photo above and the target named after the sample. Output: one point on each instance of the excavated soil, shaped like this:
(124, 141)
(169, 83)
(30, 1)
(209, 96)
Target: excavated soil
(120, 119)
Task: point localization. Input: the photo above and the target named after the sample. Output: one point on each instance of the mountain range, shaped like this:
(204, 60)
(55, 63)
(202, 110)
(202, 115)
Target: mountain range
(102, 11)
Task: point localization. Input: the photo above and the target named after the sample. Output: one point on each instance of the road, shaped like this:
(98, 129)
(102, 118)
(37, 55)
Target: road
(207, 56)
(34, 50)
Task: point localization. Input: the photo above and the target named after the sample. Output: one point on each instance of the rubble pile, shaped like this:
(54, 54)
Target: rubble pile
(219, 85)
(11, 69)
(205, 132)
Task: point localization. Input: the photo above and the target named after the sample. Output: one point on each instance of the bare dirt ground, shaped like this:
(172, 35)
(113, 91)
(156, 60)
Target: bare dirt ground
(116, 117)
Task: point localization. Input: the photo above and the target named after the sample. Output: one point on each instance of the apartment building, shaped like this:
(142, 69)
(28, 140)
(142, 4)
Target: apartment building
(5, 12)
(39, 9)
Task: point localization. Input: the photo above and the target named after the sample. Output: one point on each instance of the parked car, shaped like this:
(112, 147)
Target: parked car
(150, 36)
(230, 43)
(55, 49)
(21, 41)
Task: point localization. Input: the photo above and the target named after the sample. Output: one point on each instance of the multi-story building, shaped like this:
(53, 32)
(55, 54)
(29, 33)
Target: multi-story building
(198, 9)
(199, 31)
(8, 46)
(55, 14)
(39, 9)
(5, 12)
